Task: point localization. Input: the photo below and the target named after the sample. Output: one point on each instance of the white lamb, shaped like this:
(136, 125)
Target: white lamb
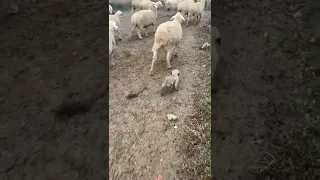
(195, 11)
(145, 5)
(110, 9)
(183, 7)
(172, 5)
(144, 19)
(168, 35)
(112, 43)
(135, 4)
(116, 18)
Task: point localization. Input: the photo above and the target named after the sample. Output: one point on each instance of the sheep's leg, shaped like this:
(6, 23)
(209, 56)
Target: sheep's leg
(118, 32)
(146, 30)
(138, 32)
(170, 50)
(188, 18)
(132, 29)
(155, 50)
(175, 52)
(154, 27)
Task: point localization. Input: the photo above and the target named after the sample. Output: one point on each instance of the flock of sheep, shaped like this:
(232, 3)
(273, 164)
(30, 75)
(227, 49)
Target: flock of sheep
(168, 34)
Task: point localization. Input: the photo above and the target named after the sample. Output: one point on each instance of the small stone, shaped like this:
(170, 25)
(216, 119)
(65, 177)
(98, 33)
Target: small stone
(172, 117)
(175, 126)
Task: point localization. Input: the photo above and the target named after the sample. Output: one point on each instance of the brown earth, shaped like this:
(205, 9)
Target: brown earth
(142, 141)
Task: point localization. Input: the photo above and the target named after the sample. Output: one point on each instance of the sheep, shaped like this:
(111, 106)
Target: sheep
(116, 18)
(110, 9)
(183, 7)
(172, 5)
(170, 82)
(135, 4)
(168, 35)
(195, 10)
(112, 43)
(145, 5)
(144, 19)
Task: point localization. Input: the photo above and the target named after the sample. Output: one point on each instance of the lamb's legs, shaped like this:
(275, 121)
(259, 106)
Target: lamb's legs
(154, 58)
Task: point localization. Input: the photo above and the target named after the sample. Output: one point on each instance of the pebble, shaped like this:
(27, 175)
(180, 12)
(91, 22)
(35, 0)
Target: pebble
(172, 117)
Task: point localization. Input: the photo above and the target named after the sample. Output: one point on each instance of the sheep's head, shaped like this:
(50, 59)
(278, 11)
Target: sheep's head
(158, 4)
(119, 13)
(153, 7)
(175, 72)
(178, 17)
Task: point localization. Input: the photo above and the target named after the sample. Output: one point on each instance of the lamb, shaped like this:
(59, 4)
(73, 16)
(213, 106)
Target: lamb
(145, 5)
(170, 83)
(135, 4)
(196, 10)
(116, 18)
(144, 19)
(168, 35)
(112, 43)
(172, 5)
(183, 7)
(110, 9)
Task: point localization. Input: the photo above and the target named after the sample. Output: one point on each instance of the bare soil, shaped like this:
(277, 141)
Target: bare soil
(142, 141)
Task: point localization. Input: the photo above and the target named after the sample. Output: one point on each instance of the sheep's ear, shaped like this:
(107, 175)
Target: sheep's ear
(172, 18)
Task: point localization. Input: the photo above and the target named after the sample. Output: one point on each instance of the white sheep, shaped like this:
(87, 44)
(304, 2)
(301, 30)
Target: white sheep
(183, 7)
(145, 5)
(172, 5)
(195, 11)
(116, 18)
(168, 35)
(144, 19)
(170, 82)
(135, 4)
(112, 43)
(110, 9)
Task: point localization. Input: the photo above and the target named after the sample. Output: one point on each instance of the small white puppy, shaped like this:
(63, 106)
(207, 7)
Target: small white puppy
(170, 83)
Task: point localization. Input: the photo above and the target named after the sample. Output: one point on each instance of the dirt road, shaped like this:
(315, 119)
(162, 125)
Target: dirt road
(142, 142)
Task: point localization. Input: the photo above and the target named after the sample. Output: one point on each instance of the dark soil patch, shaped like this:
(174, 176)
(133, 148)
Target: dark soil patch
(51, 50)
(262, 105)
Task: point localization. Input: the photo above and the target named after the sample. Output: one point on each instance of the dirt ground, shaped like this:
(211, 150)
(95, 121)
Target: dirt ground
(142, 141)
(52, 52)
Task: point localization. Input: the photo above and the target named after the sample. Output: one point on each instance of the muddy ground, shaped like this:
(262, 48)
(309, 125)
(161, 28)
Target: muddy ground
(56, 51)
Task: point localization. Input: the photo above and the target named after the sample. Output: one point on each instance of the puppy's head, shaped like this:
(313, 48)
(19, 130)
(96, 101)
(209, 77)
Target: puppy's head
(175, 72)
